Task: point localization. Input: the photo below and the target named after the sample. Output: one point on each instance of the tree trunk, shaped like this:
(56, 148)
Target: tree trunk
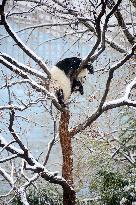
(69, 198)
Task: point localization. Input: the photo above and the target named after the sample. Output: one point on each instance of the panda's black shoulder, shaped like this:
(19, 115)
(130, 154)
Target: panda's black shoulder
(68, 65)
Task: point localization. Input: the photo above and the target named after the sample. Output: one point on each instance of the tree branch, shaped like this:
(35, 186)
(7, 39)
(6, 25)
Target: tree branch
(121, 23)
(27, 50)
(34, 85)
(24, 68)
(35, 166)
(111, 104)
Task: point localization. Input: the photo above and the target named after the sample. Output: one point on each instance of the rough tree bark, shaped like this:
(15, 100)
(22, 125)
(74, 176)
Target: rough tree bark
(69, 198)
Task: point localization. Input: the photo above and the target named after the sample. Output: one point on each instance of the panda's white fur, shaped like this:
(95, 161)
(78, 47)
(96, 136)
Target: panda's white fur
(82, 75)
(59, 80)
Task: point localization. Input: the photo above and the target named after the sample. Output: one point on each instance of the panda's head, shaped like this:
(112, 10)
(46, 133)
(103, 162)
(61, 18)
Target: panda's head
(63, 83)
(82, 76)
(70, 65)
(87, 68)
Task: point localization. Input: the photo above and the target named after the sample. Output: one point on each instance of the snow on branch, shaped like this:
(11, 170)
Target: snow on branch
(34, 166)
(24, 12)
(100, 33)
(24, 106)
(24, 67)
(41, 26)
(23, 75)
(7, 194)
(8, 158)
(114, 45)
(93, 55)
(86, 23)
(10, 148)
(104, 106)
(10, 107)
(50, 145)
(13, 133)
(22, 190)
(19, 191)
(13, 141)
(34, 84)
(121, 23)
(111, 72)
(129, 87)
(19, 42)
(7, 177)
(123, 100)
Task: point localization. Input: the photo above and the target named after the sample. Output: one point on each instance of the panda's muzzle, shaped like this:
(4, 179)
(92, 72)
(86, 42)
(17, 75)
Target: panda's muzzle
(89, 67)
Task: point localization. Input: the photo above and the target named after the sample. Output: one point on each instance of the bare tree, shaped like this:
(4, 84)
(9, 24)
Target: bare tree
(91, 18)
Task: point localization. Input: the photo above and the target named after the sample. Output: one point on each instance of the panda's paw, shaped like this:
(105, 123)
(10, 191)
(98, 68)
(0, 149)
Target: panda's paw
(82, 92)
(60, 97)
(63, 105)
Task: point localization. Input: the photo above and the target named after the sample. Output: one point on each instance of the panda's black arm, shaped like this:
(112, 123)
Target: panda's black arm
(90, 68)
(60, 97)
(77, 86)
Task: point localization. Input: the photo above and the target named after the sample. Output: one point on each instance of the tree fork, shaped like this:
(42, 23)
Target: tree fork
(69, 197)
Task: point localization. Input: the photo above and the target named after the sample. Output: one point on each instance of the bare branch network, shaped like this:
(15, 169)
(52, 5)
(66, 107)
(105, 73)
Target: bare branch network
(93, 19)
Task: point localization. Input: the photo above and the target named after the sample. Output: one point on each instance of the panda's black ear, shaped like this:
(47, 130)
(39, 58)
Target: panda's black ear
(60, 97)
(63, 65)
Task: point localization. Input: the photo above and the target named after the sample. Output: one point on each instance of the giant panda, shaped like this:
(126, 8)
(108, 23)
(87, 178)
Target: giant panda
(62, 83)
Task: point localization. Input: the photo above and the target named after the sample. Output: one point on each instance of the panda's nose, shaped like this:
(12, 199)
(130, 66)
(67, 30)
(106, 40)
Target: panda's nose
(83, 79)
